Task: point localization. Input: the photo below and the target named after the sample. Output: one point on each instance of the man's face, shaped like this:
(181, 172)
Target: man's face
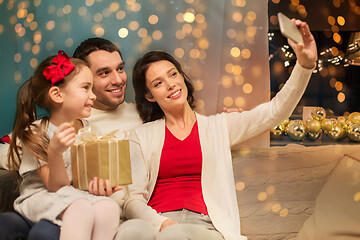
(109, 79)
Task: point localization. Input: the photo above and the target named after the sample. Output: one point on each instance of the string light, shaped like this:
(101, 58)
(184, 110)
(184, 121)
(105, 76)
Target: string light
(325, 57)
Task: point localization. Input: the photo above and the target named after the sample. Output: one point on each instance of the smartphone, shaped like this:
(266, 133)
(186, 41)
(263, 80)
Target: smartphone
(289, 29)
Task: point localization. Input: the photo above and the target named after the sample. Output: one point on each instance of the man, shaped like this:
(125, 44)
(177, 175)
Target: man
(109, 112)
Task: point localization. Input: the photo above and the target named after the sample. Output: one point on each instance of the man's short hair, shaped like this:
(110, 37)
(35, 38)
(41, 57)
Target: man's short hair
(94, 44)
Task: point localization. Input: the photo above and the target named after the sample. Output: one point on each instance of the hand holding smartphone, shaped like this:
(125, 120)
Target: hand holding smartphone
(289, 29)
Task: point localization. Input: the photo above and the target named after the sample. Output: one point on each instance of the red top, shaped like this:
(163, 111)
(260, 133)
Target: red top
(178, 185)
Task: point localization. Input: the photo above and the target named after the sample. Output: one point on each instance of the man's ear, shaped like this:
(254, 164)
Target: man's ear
(149, 97)
(55, 94)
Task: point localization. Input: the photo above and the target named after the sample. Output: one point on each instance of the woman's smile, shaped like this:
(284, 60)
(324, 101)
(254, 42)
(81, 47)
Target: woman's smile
(175, 95)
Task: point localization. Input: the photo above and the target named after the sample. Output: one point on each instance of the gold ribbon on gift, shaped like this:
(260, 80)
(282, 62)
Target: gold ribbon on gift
(105, 157)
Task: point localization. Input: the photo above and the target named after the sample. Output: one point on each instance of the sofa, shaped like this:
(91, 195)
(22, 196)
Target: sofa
(286, 192)
(298, 192)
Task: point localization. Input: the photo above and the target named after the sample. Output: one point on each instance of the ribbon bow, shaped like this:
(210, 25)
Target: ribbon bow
(60, 70)
(92, 134)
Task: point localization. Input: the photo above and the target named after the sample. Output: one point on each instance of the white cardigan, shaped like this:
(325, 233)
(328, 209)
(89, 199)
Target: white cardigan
(217, 134)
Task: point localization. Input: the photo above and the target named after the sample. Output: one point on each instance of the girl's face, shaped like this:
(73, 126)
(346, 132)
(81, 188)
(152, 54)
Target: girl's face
(77, 94)
(166, 85)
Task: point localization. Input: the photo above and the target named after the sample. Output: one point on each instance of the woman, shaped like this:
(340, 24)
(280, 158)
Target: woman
(184, 184)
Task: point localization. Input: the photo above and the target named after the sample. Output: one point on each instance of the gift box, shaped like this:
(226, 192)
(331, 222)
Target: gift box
(105, 159)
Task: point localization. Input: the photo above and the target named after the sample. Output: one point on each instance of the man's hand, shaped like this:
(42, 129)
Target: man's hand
(100, 187)
(230, 110)
(167, 223)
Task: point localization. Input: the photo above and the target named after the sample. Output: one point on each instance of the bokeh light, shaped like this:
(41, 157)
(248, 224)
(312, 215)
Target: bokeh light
(17, 57)
(189, 17)
(247, 88)
(153, 19)
(341, 97)
(262, 196)
(341, 20)
(228, 101)
(235, 52)
(240, 102)
(123, 32)
(33, 62)
(35, 49)
(179, 52)
(283, 212)
(134, 25)
(120, 15)
(157, 35)
(239, 186)
(226, 81)
(17, 77)
(114, 6)
(50, 25)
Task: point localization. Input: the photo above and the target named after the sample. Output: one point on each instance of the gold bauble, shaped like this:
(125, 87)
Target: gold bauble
(354, 132)
(318, 113)
(296, 130)
(326, 124)
(277, 131)
(336, 133)
(354, 117)
(342, 121)
(286, 122)
(313, 126)
(313, 136)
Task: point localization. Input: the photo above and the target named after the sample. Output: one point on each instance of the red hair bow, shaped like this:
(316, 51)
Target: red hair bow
(60, 70)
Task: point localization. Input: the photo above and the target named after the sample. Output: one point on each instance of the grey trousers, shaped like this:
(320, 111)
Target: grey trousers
(135, 229)
(192, 226)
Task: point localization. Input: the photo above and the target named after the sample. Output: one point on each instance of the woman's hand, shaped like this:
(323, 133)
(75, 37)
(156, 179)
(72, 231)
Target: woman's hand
(97, 187)
(306, 53)
(167, 223)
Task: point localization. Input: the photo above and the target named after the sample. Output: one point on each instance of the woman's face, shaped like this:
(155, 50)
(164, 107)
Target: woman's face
(166, 85)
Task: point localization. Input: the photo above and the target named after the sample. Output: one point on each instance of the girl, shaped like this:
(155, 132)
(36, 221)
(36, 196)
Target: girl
(63, 86)
(184, 184)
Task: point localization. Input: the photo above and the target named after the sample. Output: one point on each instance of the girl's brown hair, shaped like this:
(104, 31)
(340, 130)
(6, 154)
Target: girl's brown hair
(35, 91)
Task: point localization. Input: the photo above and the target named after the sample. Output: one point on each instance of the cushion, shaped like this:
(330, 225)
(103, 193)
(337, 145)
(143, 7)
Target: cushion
(337, 208)
(277, 186)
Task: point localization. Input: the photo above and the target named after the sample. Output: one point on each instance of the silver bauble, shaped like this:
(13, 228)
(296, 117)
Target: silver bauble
(296, 130)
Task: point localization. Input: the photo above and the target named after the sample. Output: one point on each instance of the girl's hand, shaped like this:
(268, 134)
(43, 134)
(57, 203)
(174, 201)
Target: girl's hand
(97, 187)
(306, 53)
(64, 137)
